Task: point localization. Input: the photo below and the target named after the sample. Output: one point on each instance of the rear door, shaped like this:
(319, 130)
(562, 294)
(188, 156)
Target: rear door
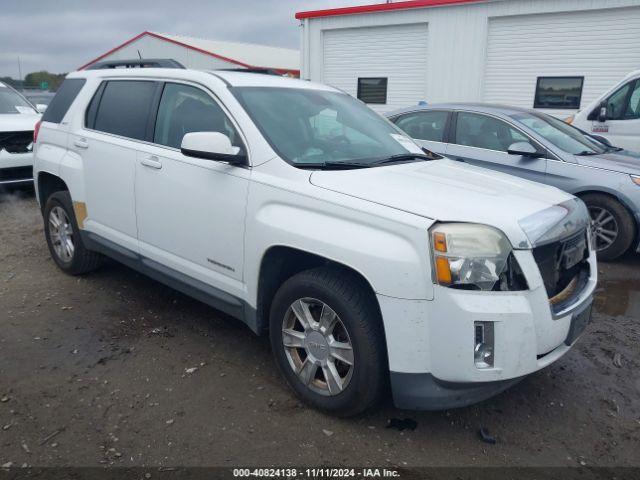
(116, 124)
(622, 125)
(483, 140)
(427, 127)
(190, 210)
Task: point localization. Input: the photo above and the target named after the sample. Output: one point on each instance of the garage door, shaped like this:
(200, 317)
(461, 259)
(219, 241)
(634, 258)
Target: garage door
(603, 46)
(396, 52)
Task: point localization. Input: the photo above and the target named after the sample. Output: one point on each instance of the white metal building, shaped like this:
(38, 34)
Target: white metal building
(552, 54)
(204, 54)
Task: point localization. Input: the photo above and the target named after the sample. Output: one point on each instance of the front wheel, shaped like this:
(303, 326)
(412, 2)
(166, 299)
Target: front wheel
(328, 342)
(612, 226)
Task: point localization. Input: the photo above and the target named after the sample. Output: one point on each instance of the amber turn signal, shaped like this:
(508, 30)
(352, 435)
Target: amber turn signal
(443, 271)
(439, 242)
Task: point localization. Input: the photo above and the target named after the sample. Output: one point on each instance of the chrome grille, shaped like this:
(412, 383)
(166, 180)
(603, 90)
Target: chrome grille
(16, 142)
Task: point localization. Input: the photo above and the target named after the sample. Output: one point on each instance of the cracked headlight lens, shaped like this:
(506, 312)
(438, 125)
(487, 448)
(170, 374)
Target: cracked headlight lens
(474, 257)
(556, 222)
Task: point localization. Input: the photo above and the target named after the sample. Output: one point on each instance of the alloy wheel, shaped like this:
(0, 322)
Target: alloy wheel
(61, 233)
(317, 346)
(604, 227)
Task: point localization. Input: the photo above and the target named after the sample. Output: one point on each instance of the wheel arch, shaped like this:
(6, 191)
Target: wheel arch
(609, 193)
(622, 201)
(47, 184)
(281, 262)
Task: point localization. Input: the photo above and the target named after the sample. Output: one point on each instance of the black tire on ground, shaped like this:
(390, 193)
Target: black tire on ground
(355, 305)
(82, 260)
(597, 202)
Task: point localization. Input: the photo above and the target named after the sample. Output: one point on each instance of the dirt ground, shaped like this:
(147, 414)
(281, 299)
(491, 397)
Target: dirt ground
(94, 372)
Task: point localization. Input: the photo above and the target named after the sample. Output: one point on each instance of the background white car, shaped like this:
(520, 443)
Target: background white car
(615, 115)
(18, 118)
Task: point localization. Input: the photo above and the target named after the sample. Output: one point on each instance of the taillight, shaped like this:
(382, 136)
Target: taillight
(36, 130)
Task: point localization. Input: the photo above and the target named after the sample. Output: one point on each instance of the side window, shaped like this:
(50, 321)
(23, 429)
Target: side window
(558, 92)
(633, 107)
(617, 102)
(184, 109)
(481, 131)
(124, 108)
(424, 125)
(373, 90)
(64, 97)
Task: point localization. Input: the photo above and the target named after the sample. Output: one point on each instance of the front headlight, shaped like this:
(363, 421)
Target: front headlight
(556, 222)
(474, 257)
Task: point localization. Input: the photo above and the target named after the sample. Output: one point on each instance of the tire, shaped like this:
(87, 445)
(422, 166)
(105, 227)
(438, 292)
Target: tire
(609, 215)
(79, 260)
(357, 323)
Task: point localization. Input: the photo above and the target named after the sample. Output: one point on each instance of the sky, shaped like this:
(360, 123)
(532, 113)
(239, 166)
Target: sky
(61, 35)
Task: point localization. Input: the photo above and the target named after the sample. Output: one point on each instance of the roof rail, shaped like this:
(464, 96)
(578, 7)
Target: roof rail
(263, 71)
(137, 63)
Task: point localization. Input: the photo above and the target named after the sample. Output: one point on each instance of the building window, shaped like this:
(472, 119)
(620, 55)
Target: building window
(372, 90)
(558, 92)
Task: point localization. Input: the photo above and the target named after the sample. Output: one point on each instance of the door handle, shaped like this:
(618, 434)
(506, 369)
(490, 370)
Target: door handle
(81, 143)
(152, 162)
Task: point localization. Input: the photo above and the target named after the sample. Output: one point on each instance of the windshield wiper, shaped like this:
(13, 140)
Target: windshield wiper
(406, 157)
(586, 153)
(333, 165)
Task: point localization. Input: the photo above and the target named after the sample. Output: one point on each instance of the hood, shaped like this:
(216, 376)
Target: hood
(446, 190)
(623, 161)
(18, 122)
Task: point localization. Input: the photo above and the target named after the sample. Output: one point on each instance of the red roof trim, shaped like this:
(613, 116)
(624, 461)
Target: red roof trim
(381, 7)
(191, 47)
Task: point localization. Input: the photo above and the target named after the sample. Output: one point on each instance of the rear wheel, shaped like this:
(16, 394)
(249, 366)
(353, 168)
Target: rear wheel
(612, 225)
(63, 237)
(328, 342)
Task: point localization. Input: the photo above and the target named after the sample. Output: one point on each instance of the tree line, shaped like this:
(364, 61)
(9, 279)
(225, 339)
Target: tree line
(35, 80)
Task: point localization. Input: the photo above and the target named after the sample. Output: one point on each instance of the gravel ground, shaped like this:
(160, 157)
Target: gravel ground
(97, 371)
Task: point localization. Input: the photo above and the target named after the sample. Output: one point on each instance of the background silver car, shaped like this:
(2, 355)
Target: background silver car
(542, 148)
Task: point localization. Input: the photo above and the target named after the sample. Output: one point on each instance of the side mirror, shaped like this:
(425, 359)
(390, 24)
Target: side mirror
(601, 139)
(41, 107)
(602, 114)
(212, 146)
(524, 149)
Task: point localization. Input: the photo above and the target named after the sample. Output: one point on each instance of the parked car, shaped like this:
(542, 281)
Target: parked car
(615, 115)
(295, 208)
(17, 121)
(542, 148)
(39, 98)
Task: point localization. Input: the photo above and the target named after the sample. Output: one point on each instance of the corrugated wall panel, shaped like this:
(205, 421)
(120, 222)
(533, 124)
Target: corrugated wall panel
(602, 46)
(398, 52)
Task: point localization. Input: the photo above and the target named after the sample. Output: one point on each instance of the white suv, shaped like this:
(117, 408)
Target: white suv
(293, 207)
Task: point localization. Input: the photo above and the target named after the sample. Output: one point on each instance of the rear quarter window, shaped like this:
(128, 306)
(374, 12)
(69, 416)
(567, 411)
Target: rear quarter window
(63, 99)
(124, 108)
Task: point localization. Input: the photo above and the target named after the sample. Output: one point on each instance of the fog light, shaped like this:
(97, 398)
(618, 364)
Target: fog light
(483, 344)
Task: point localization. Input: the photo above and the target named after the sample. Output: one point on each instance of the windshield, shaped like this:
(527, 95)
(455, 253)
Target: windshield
(316, 127)
(12, 102)
(561, 134)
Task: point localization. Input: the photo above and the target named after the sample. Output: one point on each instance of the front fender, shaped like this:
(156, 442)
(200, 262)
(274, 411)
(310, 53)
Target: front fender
(389, 248)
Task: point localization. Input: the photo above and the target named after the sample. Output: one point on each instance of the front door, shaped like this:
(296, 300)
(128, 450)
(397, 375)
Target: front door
(483, 140)
(622, 125)
(191, 211)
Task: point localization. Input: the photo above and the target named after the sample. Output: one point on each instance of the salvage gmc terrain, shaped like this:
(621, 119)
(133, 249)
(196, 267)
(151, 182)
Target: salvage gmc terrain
(293, 207)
